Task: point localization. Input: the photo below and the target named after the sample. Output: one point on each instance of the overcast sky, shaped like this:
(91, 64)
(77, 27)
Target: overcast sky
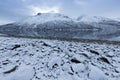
(14, 10)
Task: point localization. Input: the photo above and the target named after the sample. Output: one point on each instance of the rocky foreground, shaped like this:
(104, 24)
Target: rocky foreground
(40, 59)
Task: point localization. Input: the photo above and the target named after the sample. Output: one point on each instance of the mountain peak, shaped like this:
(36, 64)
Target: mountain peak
(45, 17)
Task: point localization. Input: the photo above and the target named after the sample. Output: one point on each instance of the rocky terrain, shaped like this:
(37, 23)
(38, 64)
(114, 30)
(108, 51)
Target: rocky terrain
(41, 59)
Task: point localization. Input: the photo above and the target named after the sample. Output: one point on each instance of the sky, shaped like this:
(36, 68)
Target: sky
(15, 10)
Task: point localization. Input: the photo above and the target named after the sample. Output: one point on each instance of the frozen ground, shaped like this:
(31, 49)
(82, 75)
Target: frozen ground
(39, 59)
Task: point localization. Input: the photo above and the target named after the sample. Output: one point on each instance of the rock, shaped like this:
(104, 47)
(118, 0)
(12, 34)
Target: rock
(15, 46)
(23, 73)
(11, 70)
(54, 62)
(75, 61)
(39, 13)
(104, 60)
(94, 52)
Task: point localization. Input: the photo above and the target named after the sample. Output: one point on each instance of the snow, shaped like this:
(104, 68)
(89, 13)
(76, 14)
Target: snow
(96, 74)
(42, 59)
(90, 19)
(117, 19)
(44, 17)
(23, 73)
(54, 62)
(41, 18)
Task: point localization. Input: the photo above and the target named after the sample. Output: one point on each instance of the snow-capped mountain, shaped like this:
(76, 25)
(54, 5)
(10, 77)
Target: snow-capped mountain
(59, 25)
(47, 20)
(41, 18)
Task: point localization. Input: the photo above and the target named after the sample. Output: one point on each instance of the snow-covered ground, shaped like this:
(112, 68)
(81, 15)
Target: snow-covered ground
(39, 59)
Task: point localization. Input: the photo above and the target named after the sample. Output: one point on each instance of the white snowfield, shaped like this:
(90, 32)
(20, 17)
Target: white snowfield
(39, 59)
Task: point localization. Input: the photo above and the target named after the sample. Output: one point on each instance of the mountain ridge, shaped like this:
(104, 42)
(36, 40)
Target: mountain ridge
(42, 18)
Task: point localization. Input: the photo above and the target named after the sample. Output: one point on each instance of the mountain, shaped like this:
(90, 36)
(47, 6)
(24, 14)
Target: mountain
(39, 25)
(41, 18)
(62, 26)
(108, 28)
(93, 19)
(97, 20)
(47, 20)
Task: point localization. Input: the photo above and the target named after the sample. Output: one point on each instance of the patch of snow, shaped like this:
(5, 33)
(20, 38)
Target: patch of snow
(56, 61)
(96, 74)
